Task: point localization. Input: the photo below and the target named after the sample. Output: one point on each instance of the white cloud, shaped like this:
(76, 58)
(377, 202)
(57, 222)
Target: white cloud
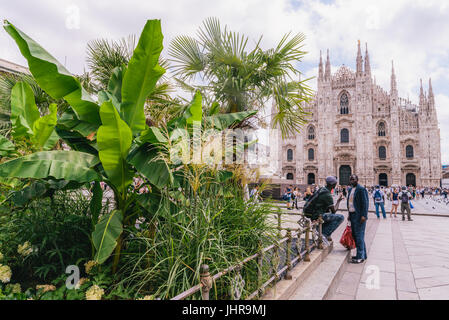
(413, 34)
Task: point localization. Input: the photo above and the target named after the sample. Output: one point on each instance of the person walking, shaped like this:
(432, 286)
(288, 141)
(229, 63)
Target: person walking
(288, 194)
(358, 203)
(308, 194)
(297, 196)
(405, 197)
(394, 202)
(379, 201)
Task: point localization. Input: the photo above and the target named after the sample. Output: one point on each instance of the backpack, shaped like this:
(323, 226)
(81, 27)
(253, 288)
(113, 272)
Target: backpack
(377, 196)
(404, 197)
(309, 208)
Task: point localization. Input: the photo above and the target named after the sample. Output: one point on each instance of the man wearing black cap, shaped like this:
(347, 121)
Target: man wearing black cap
(323, 204)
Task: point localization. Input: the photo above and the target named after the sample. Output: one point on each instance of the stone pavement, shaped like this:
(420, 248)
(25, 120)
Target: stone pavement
(407, 260)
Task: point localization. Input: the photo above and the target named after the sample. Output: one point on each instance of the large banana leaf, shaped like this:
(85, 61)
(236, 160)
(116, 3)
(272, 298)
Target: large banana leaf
(24, 111)
(142, 74)
(147, 161)
(6, 146)
(153, 135)
(53, 77)
(41, 189)
(44, 134)
(193, 113)
(67, 165)
(69, 122)
(77, 141)
(106, 234)
(115, 82)
(114, 139)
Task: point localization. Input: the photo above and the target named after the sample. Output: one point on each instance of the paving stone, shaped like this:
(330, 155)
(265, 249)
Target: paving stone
(434, 293)
(383, 293)
(402, 266)
(348, 284)
(383, 265)
(386, 279)
(406, 284)
(403, 295)
(340, 296)
(432, 282)
(430, 272)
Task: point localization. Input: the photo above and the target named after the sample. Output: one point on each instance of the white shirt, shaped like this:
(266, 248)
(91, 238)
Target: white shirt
(351, 200)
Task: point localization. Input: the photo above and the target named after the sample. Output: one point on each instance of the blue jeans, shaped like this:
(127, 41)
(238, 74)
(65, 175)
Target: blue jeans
(331, 222)
(358, 232)
(381, 204)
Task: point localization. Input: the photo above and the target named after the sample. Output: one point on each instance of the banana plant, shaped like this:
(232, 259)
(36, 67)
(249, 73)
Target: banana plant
(27, 122)
(110, 139)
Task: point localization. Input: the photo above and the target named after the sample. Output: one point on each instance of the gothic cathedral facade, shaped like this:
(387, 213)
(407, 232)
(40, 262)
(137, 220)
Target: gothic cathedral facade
(357, 127)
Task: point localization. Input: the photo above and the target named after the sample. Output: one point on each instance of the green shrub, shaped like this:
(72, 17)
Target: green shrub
(214, 226)
(41, 240)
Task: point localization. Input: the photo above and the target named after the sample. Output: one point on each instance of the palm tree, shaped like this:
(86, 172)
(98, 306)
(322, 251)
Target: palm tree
(242, 80)
(104, 55)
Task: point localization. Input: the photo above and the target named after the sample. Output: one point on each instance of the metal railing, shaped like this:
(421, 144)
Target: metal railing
(313, 239)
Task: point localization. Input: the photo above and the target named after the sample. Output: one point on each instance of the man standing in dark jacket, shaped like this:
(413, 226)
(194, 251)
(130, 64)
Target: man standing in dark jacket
(358, 203)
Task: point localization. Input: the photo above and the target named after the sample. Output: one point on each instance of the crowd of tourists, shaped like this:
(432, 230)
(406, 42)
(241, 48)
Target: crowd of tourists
(319, 202)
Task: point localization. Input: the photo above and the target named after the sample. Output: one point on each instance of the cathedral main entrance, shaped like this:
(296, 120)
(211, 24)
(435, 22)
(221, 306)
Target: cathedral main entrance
(383, 179)
(410, 179)
(344, 174)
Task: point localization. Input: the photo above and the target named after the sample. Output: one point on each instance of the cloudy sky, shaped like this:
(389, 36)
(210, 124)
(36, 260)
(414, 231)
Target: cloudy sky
(412, 33)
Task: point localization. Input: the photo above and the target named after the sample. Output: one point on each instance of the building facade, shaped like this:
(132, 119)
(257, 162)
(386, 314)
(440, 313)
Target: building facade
(358, 127)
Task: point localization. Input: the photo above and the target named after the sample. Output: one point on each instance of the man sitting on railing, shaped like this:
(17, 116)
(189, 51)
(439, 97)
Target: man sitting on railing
(321, 203)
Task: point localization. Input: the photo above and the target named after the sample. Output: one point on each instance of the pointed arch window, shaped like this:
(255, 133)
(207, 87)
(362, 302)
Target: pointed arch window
(409, 152)
(382, 153)
(311, 154)
(381, 129)
(289, 176)
(311, 133)
(289, 155)
(344, 104)
(344, 135)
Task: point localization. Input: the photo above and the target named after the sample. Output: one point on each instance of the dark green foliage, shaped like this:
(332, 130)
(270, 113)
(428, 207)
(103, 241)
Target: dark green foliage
(211, 225)
(57, 229)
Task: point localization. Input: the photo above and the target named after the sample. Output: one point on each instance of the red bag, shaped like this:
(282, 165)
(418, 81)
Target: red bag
(347, 240)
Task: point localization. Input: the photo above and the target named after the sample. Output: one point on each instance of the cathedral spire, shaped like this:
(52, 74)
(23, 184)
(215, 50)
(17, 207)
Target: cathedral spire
(430, 88)
(421, 95)
(431, 101)
(320, 68)
(367, 64)
(393, 87)
(359, 61)
(327, 73)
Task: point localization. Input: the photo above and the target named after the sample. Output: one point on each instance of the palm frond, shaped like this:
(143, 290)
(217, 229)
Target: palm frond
(187, 56)
(104, 55)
